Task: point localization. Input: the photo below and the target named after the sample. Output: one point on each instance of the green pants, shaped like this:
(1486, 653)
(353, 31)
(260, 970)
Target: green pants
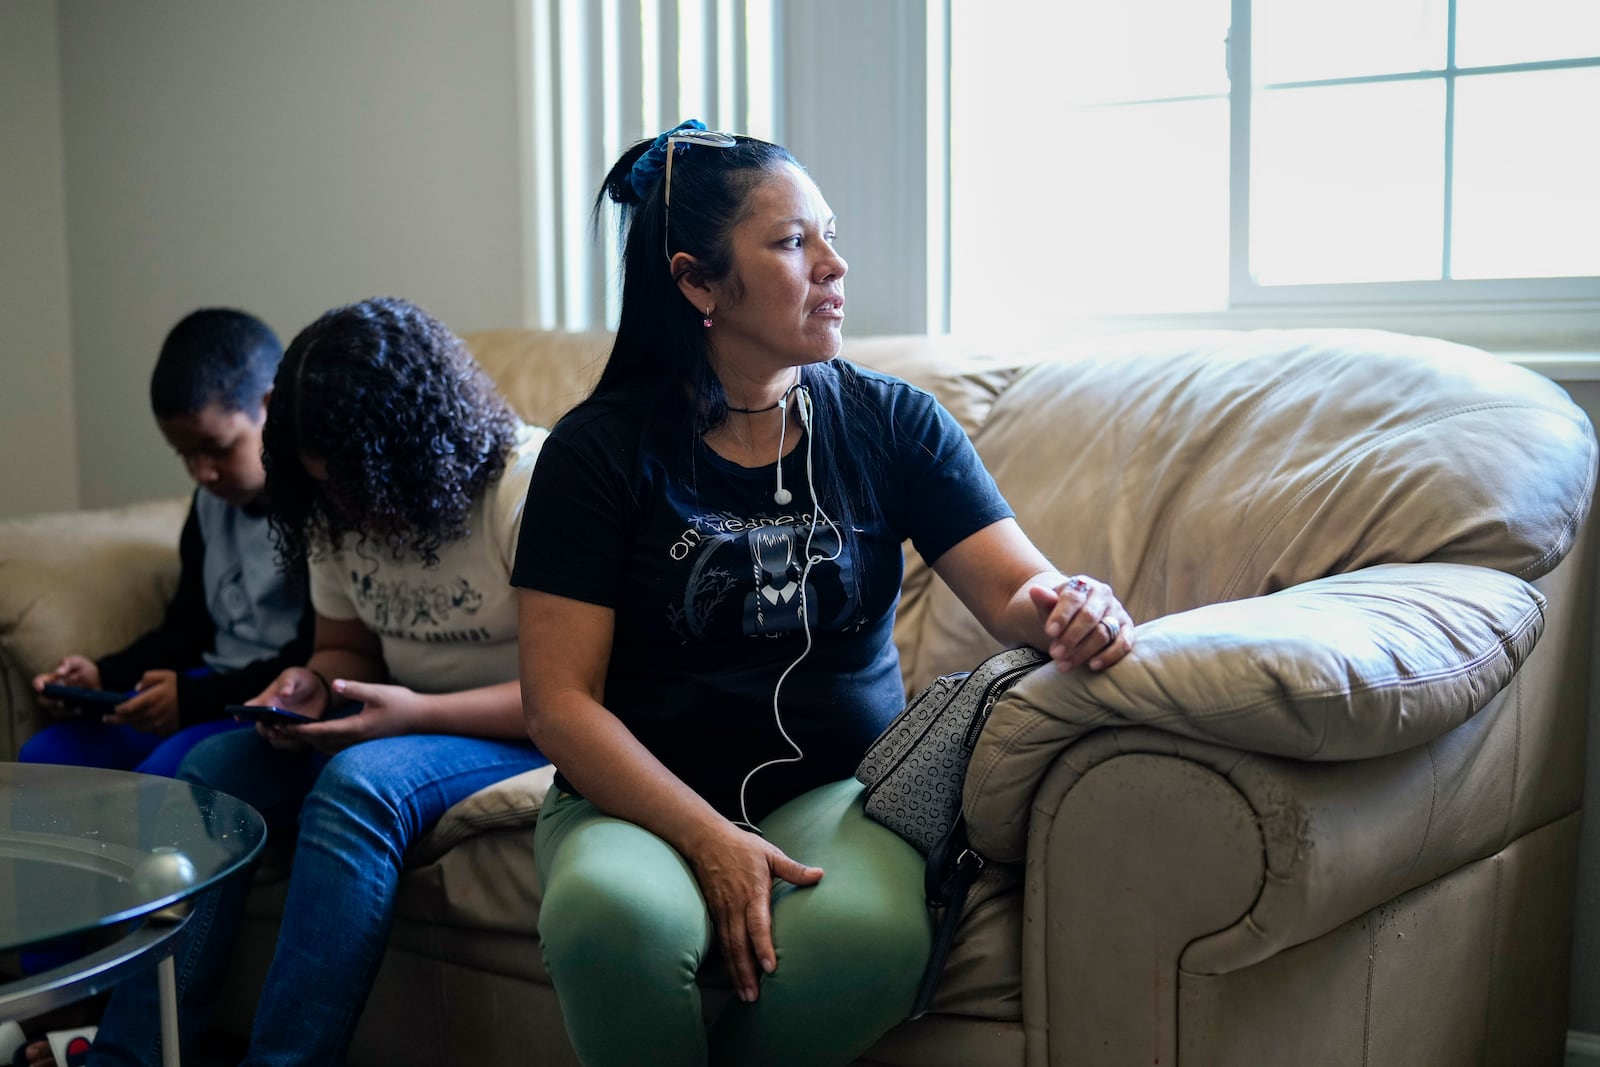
(625, 931)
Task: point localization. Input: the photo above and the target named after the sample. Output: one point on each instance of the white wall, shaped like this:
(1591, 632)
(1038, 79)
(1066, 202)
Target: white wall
(282, 157)
(38, 445)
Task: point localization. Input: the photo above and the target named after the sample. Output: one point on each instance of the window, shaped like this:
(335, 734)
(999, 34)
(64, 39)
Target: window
(1288, 161)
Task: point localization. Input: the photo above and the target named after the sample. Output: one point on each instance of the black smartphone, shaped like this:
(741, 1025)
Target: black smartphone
(105, 699)
(266, 713)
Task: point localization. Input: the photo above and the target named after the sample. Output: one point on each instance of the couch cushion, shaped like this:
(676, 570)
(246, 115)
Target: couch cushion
(1253, 462)
(511, 804)
(545, 372)
(66, 578)
(1189, 469)
(1352, 666)
(542, 372)
(82, 581)
(966, 379)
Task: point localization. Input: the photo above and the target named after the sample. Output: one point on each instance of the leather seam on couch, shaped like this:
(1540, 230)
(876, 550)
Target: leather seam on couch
(1433, 808)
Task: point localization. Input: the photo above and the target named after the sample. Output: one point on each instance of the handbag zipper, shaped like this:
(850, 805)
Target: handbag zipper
(991, 694)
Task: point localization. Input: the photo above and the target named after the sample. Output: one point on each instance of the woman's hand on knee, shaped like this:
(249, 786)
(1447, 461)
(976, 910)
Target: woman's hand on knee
(736, 871)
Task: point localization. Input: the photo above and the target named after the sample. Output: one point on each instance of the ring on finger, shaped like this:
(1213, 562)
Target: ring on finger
(1076, 584)
(1113, 628)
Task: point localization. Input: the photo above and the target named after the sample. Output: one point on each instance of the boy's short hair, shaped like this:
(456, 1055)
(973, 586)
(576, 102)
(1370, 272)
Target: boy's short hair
(214, 356)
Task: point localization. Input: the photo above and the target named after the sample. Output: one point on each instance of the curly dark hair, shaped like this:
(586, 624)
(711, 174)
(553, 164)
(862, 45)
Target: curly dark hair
(408, 425)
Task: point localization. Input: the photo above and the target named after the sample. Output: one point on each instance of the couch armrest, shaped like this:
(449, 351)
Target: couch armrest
(1129, 861)
(1152, 856)
(83, 581)
(1352, 666)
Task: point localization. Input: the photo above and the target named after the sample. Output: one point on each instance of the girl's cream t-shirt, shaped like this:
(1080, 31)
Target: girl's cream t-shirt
(451, 626)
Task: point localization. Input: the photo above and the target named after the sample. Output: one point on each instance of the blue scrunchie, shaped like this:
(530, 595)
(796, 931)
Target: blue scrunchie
(648, 167)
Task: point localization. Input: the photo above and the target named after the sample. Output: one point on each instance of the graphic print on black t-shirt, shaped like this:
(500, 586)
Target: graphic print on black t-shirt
(667, 542)
(745, 577)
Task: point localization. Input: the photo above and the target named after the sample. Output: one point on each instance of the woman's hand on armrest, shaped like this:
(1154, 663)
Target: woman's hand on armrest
(1021, 599)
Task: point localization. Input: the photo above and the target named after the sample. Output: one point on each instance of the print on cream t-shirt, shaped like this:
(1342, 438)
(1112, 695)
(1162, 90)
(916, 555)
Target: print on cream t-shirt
(452, 626)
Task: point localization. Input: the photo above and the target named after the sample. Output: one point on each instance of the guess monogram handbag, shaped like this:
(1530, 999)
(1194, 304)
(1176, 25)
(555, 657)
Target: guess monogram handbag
(914, 772)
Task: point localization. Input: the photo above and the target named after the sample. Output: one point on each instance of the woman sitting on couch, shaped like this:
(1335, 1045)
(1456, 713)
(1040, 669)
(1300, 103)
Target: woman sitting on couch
(706, 629)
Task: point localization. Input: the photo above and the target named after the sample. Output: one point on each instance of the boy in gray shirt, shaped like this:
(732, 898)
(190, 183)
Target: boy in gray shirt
(236, 621)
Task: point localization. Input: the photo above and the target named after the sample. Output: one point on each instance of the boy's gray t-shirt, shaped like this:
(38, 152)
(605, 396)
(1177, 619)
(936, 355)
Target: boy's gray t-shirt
(251, 603)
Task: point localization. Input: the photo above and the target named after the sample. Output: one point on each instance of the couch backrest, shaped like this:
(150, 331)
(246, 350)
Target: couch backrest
(542, 372)
(1189, 468)
(1196, 468)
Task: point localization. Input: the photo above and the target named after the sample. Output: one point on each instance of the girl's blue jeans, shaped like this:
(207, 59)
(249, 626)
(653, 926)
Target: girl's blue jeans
(358, 813)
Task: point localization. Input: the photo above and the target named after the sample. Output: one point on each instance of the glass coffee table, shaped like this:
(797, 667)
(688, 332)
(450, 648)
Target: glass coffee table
(82, 849)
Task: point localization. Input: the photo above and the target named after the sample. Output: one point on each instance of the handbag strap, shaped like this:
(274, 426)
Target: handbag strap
(952, 868)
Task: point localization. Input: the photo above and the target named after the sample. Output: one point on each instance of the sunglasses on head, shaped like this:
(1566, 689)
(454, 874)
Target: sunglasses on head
(686, 138)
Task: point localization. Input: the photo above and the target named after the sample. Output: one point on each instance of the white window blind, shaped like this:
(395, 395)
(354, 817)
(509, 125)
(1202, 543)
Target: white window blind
(598, 75)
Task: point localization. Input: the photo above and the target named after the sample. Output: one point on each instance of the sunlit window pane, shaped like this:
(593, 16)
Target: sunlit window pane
(1120, 209)
(1347, 183)
(1308, 40)
(1490, 32)
(1527, 175)
(1129, 50)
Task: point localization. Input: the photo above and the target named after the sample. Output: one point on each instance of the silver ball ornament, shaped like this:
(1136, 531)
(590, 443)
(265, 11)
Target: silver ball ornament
(163, 872)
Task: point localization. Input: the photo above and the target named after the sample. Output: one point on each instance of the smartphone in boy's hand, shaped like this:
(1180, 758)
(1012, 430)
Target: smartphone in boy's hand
(101, 700)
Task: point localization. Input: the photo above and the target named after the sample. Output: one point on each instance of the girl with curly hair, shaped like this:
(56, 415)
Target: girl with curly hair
(398, 473)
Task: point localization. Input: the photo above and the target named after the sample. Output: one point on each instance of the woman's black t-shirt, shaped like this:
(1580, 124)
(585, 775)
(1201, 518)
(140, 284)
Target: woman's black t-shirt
(703, 571)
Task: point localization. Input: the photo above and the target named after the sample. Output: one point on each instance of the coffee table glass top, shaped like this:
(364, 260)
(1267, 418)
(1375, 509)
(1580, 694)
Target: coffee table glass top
(82, 848)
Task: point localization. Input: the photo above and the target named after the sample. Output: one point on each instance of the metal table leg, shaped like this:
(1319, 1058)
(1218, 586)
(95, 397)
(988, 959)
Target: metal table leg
(94, 973)
(167, 976)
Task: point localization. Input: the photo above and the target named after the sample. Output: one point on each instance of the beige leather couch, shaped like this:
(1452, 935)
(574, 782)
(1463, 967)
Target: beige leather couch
(1326, 813)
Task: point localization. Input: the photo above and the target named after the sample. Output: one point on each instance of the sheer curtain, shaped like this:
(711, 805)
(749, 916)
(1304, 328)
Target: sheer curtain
(597, 75)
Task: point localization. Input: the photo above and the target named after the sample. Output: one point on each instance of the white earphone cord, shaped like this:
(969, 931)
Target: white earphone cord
(804, 399)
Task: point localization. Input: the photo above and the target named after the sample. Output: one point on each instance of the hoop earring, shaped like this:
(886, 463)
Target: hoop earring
(708, 318)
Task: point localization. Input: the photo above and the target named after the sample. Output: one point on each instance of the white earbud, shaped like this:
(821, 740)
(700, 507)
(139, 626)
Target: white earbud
(782, 497)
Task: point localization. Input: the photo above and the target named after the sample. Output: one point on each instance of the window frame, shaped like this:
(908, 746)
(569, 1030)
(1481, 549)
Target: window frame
(1511, 316)
(1512, 294)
